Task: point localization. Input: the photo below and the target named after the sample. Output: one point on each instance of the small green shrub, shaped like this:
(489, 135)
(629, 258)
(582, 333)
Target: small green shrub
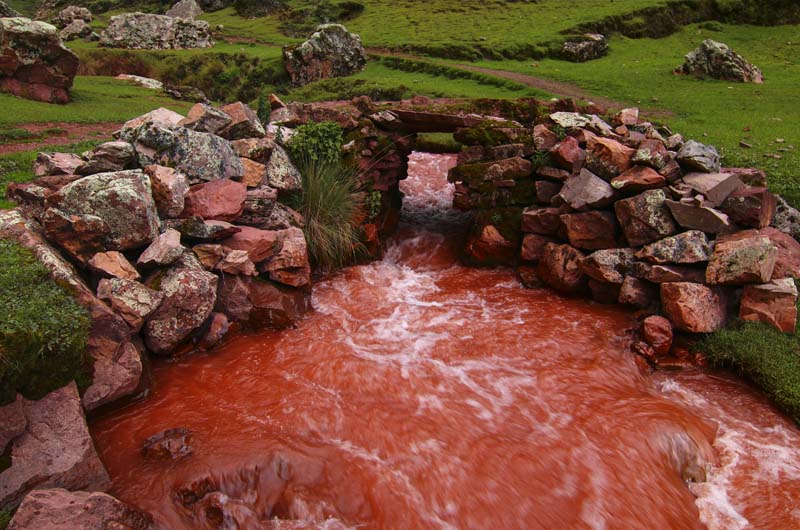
(318, 142)
(43, 332)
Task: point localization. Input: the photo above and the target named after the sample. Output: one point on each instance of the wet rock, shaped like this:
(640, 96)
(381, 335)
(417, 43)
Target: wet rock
(533, 247)
(638, 179)
(130, 299)
(608, 158)
(638, 293)
(331, 51)
(667, 273)
(35, 63)
(657, 332)
(586, 48)
(559, 268)
(740, 261)
(716, 187)
(256, 149)
(217, 200)
(282, 175)
(169, 188)
(59, 509)
(604, 293)
(773, 303)
(80, 235)
(185, 9)
(695, 156)
(586, 191)
(609, 265)
(144, 31)
(652, 153)
(215, 329)
(171, 444)
(259, 304)
(695, 217)
(165, 250)
(189, 297)
(593, 230)
(259, 204)
(567, 154)
(645, 218)
(121, 199)
(108, 157)
(244, 122)
(543, 221)
(693, 307)
(196, 229)
(716, 60)
(56, 164)
(70, 14)
(12, 421)
(751, 207)
(205, 118)
(488, 246)
(254, 173)
(55, 450)
(686, 248)
(77, 29)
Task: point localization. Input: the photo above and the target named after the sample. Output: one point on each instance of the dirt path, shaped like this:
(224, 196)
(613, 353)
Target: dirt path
(58, 133)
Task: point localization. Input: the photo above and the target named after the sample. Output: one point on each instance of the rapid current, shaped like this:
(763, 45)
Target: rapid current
(421, 394)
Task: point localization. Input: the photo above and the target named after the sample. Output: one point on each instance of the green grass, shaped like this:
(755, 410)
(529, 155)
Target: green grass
(24, 7)
(437, 143)
(5, 518)
(43, 332)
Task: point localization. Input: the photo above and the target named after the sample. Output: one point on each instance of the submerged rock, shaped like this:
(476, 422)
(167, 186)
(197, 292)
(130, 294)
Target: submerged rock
(170, 444)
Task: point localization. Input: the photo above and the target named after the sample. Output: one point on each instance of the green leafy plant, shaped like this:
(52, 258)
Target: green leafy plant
(318, 142)
(263, 110)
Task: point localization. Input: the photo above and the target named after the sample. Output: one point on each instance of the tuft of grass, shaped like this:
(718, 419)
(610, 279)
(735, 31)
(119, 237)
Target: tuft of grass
(43, 332)
(764, 355)
(15, 134)
(5, 518)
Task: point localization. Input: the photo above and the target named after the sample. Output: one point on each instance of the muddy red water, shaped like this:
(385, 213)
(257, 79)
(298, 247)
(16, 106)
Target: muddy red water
(425, 395)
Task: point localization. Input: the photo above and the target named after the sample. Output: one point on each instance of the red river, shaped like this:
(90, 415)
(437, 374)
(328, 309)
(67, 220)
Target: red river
(421, 394)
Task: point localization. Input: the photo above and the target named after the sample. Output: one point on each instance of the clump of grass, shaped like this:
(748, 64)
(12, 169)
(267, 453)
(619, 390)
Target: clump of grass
(5, 518)
(43, 332)
(764, 355)
(15, 134)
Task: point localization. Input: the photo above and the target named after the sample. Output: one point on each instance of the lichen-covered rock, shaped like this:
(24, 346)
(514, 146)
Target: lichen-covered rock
(608, 265)
(122, 200)
(205, 118)
(161, 116)
(586, 191)
(142, 31)
(750, 207)
(70, 14)
(59, 509)
(281, 173)
(695, 156)
(108, 157)
(56, 450)
(185, 9)
(693, 307)
(686, 248)
(741, 261)
(131, 300)
(638, 179)
(645, 218)
(196, 229)
(586, 48)
(189, 297)
(608, 158)
(559, 268)
(56, 164)
(80, 235)
(773, 303)
(34, 63)
(77, 29)
(717, 60)
(331, 51)
(786, 219)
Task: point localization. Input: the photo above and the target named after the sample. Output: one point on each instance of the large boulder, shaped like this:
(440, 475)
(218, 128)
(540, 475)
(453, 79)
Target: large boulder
(59, 509)
(585, 48)
(717, 60)
(76, 29)
(257, 303)
(331, 51)
(56, 450)
(185, 9)
(694, 307)
(70, 14)
(142, 31)
(34, 63)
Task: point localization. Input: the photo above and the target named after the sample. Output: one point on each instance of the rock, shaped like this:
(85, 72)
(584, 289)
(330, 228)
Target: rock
(108, 157)
(244, 123)
(533, 247)
(236, 262)
(164, 250)
(695, 156)
(604, 293)
(570, 120)
(254, 173)
(185, 9)
(55, 450)
(219, 200)
(121, 199)
(559, 268)
(12, 421)
(638, 293)
(331, 51)
(543, 221)
(693, 307)
(142, 31)
(593, 230)
(552, 173)
(487, 247)
(171, 444)
(189, 297)
(740, 261)
(205, 118)
(113, 264)
(652, 153)
(256, 149)
(686, 248)
(773, 303)
(196, 229)
(114, 377)
(609, 265)
(716, 187)
(144, 82)
(80, 235)
(7, 12)
(546, 191)
(751, 207)
(210, 254)
(657, 332)
(257, 303)
(70, 14)
(608, 158)
(56, 164)
(567, 154)
(695, 217)
(59, 509)
(290, 266)
(77, 29)
(645, 218)
(667, 273)
(638, 179)
(627, 117)
(215, 329)
(543, 138)
(130, 299)
(586, 191)
(787, 218)
(586, 48)
(161, 117)
(169, 188)
(716, 60)
(35, 63)
(281, 173)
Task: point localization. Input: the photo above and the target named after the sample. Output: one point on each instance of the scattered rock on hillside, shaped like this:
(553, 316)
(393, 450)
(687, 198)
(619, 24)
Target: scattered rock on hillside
(35, 63)
(77, 29)
(717, 60)
(185, 9)
(585, 48)
(144, 82)
(59, 509)
(331, 51)
(70, 14)
(142, 31)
